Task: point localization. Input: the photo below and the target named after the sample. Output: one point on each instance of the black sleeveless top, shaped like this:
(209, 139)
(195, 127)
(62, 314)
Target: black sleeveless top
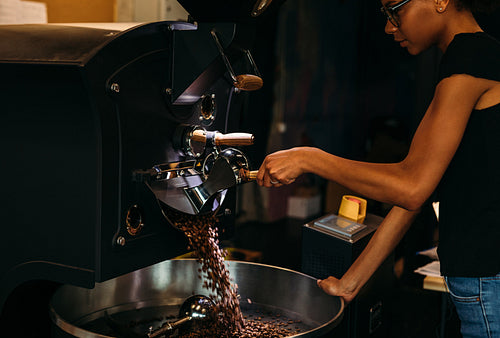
(469, 192)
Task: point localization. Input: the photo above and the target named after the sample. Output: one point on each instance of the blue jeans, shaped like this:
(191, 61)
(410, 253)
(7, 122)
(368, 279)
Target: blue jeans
(477, 301)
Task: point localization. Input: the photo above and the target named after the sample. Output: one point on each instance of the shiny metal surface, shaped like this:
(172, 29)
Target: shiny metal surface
(171, 282)
(171, 192)
(221, 177)
(223, 173)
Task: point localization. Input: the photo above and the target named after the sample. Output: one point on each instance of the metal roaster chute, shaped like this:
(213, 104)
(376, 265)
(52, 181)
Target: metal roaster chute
(110, 131)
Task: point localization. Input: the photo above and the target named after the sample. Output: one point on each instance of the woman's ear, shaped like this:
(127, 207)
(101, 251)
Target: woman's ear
(441, 5)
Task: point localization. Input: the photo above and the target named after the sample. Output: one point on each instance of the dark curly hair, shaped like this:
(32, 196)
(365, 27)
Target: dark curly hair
(478, 5)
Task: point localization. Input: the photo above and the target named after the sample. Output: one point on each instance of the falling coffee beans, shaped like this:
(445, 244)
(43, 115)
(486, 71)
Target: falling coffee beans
(202, 234)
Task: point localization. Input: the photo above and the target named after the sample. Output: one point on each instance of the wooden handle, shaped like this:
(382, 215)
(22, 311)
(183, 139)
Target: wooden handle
(248, 82)
(248, 175)
(198, 136)
(252, 175)
(232, 139)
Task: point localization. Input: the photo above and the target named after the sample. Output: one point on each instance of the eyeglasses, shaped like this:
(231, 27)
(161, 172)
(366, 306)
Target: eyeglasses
(392, 12)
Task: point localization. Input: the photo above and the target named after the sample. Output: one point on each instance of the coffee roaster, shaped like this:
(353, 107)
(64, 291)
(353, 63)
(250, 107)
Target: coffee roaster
(110, 133)
(103, 128)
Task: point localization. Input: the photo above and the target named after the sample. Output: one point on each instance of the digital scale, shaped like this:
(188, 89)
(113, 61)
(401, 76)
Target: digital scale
(339, 225)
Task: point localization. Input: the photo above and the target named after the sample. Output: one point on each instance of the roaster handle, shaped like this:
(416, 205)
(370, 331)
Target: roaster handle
(245, 81)
(231, 139)
(248, 175)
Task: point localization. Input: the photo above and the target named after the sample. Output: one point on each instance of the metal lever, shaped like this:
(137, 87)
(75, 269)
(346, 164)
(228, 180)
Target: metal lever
(164, 171)
(245, 81)
(260, 6)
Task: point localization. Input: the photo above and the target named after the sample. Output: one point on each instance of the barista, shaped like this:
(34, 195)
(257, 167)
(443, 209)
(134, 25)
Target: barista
(454, 150)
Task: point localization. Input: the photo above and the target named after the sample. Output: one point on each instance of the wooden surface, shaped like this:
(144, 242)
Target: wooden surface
(63, 11)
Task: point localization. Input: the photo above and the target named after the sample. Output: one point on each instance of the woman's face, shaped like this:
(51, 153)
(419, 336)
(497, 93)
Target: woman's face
(416, 27)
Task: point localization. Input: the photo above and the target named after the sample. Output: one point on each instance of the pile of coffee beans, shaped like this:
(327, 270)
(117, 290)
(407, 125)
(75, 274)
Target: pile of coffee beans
(258, 328)
(202, 234)
(253, 329)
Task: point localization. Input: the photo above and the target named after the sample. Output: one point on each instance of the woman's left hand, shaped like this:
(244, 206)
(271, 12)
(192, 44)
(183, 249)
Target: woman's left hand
(281, 168)
(334, 287)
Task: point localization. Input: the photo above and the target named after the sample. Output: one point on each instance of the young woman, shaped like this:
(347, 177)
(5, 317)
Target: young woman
(455, 150)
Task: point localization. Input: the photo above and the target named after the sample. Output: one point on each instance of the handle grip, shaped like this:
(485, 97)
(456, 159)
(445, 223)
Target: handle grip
(248, 82)
(248, 175)
(231, 139)
(234, 139)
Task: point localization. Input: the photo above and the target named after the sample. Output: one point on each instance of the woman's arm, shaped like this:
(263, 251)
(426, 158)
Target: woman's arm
(383, 242)
(408, 183)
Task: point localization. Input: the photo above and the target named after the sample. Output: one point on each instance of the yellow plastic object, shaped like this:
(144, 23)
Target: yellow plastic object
(353, 208)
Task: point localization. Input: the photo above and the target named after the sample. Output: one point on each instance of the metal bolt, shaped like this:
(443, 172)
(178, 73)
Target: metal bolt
(115, 87)
(227, 211)
(120, 241)
(168, 91)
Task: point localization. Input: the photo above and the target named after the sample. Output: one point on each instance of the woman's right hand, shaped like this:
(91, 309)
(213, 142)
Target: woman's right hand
(282, 167)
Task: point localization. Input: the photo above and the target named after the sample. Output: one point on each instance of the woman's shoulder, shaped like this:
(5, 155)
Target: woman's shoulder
(474, 39)
(476, 54)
